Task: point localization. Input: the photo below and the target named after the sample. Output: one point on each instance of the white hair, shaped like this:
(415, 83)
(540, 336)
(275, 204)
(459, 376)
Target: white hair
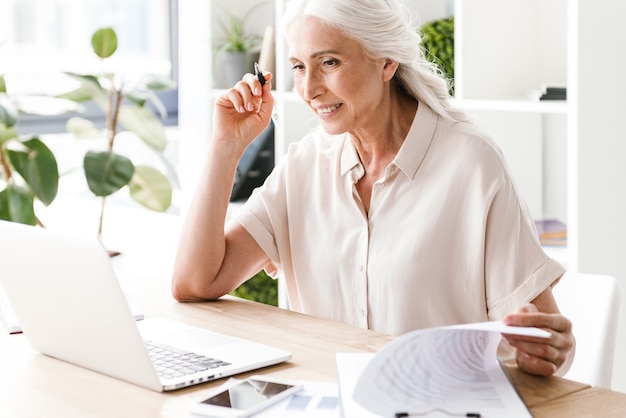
(386, 29)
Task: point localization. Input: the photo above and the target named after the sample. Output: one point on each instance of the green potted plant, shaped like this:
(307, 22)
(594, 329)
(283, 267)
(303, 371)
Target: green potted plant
(438, 43)
(235, 45)
(105, 171)
(28, 168)
(260, 288)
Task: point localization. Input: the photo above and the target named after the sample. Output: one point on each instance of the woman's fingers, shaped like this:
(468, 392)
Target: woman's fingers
(537, 355)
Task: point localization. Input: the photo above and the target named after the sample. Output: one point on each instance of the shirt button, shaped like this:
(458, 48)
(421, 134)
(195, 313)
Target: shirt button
(361, 268)
(361, 312)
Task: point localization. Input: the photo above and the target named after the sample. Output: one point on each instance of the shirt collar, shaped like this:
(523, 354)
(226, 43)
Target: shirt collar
(413, 149)
(349, 156)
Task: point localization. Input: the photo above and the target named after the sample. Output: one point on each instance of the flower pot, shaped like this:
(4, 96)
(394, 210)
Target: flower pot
(235, 66)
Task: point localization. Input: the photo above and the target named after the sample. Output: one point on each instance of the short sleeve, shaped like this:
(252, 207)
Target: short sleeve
(517, 269)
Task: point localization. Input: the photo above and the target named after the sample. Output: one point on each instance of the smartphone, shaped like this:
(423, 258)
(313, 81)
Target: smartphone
(241, 398)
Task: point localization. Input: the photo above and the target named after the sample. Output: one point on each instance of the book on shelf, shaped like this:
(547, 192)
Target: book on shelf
(554, 93)
(551, 232)
(444, 371)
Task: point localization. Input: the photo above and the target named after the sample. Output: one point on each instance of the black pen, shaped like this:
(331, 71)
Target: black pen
(418, 414)
(259, 76)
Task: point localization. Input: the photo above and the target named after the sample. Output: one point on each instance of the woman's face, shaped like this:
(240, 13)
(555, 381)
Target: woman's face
(335, 77)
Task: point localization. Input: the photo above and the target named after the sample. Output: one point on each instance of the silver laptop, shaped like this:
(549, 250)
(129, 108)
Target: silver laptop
(70, 306)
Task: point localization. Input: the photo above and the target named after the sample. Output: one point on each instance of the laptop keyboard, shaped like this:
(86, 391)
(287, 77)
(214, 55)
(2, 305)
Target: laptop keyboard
(172, 362)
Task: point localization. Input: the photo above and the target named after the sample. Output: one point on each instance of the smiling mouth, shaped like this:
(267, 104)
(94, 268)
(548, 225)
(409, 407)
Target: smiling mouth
(329, 109)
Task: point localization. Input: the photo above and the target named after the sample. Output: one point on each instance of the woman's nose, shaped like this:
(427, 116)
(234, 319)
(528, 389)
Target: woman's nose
(311, 86)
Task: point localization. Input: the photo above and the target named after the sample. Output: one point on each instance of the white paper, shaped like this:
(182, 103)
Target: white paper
(349, 367)
(453, 370)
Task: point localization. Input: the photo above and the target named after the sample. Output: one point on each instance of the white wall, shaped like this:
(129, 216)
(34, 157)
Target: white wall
(194, 103)
(600, 175)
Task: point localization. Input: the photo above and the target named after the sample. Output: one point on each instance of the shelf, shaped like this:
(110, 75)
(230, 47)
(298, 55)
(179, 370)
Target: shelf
(530, 106)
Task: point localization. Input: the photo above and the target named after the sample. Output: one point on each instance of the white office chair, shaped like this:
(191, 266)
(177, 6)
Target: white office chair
(591, 302)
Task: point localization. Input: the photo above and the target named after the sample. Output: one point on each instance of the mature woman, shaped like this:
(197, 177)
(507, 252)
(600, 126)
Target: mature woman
(397, 214)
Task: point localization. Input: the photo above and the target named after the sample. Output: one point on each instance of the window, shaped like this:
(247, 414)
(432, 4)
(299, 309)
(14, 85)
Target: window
(39, 39)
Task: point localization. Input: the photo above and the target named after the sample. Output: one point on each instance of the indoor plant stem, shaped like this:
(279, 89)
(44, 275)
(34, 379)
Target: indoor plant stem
(115, 101)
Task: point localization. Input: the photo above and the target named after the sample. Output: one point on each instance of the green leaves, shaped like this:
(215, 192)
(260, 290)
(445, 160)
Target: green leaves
(260, 288)
(151, 188)
(16, 205)
(38, 167)
(83, 128)
(438, 44)
(7, 134)
(144, 124)
(89, 88)
(104, 42)
(28, 168)
(8, 112)
(107, 172)
(236, 37)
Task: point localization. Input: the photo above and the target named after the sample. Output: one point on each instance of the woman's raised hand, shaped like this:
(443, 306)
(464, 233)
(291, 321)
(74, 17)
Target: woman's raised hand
(243, 111)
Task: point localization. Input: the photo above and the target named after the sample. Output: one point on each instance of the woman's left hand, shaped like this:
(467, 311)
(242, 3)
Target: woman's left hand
(541, 356)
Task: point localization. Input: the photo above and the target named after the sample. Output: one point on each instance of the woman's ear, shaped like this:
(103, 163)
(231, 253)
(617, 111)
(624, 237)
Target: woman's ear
(389, 69)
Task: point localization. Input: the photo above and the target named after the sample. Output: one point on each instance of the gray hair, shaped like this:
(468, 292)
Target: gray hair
(386, 29)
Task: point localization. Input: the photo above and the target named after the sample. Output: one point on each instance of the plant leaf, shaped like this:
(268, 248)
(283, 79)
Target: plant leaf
(16, 205)
(151, 188)
(38, 167)
(107, 172)
(90, 88)
(8, 111)
(46, 106)
(3, 84)
(80, 94)
(7, 134)
(157, 82)
(137, 96)
(83, 128)
(104, 42)
(142, 94)
(142, 122)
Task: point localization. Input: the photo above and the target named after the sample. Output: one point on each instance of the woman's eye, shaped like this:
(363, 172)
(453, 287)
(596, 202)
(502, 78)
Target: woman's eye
(297, 67)
(330, 62)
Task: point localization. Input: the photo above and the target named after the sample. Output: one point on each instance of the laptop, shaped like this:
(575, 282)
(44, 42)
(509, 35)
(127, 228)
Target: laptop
(70, 306)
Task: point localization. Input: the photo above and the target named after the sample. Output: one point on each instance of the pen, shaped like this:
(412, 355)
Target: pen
(421, 414)
(259, 76)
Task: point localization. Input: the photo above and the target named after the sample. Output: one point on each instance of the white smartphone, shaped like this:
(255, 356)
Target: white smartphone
(238, 398)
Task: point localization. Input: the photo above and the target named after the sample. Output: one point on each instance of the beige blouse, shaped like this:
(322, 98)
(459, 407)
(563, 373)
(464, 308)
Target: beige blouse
(448, 238)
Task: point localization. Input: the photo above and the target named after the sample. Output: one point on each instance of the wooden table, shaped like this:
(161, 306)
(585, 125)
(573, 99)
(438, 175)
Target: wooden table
(33, 385)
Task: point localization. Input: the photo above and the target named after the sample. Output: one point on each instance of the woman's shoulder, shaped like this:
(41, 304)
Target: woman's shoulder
(470, 138)
(471, 151)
